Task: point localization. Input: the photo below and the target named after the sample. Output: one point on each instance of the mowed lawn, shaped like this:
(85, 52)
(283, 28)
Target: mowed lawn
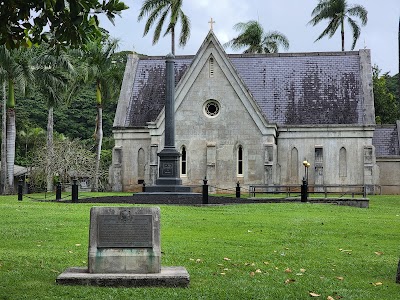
(251, 251)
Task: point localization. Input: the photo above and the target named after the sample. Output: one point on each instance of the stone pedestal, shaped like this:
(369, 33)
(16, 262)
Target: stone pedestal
(124, 250)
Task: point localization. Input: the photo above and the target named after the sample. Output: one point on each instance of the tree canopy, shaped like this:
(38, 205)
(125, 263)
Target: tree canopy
(256, 40)
(336, 12)
(70, 22)
(160, 9)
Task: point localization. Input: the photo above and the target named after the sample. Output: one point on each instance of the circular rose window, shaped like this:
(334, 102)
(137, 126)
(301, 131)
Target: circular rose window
(211, 108)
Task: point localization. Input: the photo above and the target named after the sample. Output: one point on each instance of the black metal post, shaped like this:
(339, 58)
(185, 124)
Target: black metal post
(74, 190)
(304, 190)
(58, 191)
(20, 182)
(398, 273)
(205, 191)
(238, 190)
(144, 187)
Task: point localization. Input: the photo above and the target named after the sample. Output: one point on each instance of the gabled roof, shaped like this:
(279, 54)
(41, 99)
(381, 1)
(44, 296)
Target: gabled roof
(386, 140)
(289, 89)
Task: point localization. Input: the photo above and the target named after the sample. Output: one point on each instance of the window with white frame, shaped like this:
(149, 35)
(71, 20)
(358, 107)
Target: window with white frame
(183, 161)
(240, 161)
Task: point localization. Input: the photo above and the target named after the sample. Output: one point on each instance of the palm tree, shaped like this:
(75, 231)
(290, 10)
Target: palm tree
(253, 37)
(3, 183)
(53, 70)
(159, 9)
(15, 68)
(336, 12)
(104, 73)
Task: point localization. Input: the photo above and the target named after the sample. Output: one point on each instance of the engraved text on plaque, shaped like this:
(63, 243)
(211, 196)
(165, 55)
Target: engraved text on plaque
(131, 231)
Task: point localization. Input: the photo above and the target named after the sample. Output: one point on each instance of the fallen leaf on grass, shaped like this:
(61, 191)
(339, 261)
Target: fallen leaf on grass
(377, 283)
(378, 253)
(266, 263)
(312, 294)
(288, 270)
(198, 260)
(330, 298)
(221, 265)
(252, 273)
(346, 251)
(223, 273)
(77, 245)
(258, 271)
(70, 251)
(226, 258)
(302, 270)
(289, 281)
(340, 278)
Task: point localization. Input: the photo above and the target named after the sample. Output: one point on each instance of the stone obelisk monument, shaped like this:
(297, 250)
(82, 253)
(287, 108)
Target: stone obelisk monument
(168, 174)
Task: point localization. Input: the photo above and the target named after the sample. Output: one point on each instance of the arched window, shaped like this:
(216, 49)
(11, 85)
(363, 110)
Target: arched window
(141, 164)
(183, 161)
(294, 165)
(240, 161)
(342, 162)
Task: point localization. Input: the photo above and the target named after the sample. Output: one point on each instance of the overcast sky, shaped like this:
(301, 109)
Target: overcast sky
(289, 17)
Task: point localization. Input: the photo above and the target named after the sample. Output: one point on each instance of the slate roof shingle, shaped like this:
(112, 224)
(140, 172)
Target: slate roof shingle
(290, 89)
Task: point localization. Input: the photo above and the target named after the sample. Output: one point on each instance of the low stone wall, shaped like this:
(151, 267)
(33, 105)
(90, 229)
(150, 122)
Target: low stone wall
(196, 199)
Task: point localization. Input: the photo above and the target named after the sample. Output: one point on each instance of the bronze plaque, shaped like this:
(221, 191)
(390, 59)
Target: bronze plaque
(124, 231)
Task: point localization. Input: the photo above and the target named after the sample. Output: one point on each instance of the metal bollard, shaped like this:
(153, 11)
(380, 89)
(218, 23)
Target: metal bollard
(74, 190)
(58, 191)
(238, 190)
(20, 182)
(205, 191)
(144, 187)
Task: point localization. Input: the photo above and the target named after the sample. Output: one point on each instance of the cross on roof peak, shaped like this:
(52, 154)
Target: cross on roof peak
(211, 22)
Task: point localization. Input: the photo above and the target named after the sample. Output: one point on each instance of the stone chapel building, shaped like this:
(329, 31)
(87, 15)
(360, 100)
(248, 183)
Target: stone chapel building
(253, 119)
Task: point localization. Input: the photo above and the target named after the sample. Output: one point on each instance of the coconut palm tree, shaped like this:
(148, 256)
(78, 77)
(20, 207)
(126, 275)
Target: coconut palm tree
(104, 73)
(336, 12)
(253, 37)
(15, 68)
(160, 9)
(3, 181)
(53, 69)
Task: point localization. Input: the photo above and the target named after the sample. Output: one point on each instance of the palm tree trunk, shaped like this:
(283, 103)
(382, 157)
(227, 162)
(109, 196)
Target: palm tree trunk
(11, 133)
(342, 32)
(99, 139)
(173, 41)
(98, 136)
(4, 189)
(50, 150)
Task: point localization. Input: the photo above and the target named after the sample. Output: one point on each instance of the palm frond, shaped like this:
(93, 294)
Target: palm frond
(356, 31)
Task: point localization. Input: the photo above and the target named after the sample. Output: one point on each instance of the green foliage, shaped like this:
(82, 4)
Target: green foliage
(393, 85)
(336, 12)
(162, 10)
(76, 120)
(253, 37)
(256, 251)
(63, 23)
(386, 105)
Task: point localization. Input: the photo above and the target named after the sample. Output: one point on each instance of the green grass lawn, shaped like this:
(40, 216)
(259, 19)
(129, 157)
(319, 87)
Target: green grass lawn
(253, 251)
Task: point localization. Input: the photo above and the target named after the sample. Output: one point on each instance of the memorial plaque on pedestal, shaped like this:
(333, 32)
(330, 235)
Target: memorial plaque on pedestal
(124, 240)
